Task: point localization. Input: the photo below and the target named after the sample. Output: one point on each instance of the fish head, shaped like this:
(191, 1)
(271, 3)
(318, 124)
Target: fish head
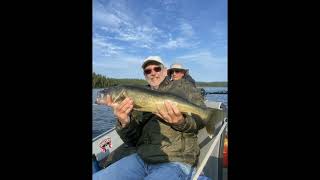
(115, 92)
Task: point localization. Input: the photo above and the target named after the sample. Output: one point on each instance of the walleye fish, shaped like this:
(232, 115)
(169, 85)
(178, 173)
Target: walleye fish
(148, 100)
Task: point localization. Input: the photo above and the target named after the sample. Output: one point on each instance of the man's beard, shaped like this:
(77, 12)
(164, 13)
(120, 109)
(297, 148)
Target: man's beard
(156, 82)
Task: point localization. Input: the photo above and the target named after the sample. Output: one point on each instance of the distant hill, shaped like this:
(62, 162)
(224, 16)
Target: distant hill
(100, 81)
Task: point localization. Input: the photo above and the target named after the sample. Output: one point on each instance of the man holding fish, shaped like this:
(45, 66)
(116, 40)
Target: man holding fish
(162, 122)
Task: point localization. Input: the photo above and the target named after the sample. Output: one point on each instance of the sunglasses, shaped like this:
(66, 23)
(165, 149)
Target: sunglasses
(177, 71)
(156, 69)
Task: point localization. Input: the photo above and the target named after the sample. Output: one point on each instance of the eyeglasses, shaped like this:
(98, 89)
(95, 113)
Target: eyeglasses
(156, 69)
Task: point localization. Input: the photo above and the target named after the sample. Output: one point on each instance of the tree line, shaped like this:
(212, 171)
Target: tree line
(100, 81)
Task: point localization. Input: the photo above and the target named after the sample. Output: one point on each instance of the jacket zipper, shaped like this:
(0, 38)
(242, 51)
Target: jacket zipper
(182, 142)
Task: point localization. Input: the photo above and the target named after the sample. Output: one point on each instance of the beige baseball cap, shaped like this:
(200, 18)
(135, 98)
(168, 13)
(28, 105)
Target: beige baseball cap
(177, 66)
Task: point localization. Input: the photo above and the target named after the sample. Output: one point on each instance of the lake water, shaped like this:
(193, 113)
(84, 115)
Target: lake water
(103, 118)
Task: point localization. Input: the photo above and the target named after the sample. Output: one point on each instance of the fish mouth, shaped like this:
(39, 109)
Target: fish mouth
(97, 101)
(99, 98)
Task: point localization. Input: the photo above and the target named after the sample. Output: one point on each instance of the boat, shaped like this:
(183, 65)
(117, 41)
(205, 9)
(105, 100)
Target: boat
(211, 162)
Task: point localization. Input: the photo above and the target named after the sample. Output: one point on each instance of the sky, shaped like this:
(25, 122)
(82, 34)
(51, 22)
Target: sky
(190, 32)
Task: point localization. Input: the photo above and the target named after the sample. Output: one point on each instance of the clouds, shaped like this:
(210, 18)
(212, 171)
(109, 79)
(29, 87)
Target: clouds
(121, 65)
(204, 65)
(203, 58)
(186, 29)
(109, 21)
(219, 33)
(125, 32)
(178, 42)
(184, 37)
(106, 19)
(103, 48)
(122, 30)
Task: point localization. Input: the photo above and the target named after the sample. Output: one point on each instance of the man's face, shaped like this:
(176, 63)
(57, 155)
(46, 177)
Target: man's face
(177, 74)
(155, 74)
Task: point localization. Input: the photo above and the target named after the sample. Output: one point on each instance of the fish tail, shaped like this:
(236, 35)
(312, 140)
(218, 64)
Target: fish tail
(212, 118)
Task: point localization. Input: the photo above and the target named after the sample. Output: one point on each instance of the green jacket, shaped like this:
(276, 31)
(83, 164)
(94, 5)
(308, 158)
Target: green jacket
(157, 141)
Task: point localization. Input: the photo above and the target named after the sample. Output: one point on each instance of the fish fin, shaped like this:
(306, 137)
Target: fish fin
(120, 96)
(125, 94)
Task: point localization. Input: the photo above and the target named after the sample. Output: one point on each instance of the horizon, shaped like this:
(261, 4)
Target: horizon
(145, 80)
(188, 32)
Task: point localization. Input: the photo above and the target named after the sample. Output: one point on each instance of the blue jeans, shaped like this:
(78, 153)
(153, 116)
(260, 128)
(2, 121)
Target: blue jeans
(134, 168)
(95, 166)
